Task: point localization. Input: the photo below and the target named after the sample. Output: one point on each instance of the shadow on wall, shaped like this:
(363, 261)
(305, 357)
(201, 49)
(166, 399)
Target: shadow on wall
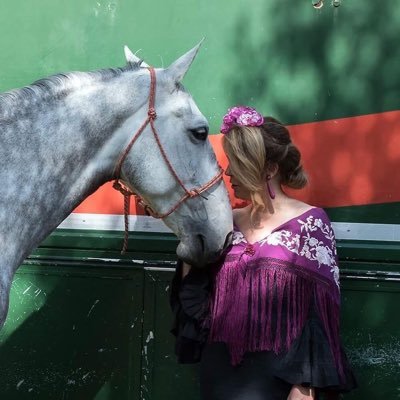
(302, 64)
(78, 340)
(314, 65)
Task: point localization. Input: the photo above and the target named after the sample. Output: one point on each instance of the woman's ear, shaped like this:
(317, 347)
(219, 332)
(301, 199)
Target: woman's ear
(272, 170)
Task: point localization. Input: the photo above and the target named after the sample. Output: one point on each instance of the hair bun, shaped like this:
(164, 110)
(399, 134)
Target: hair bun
(272, 120)
(297, 179)
(292, 173)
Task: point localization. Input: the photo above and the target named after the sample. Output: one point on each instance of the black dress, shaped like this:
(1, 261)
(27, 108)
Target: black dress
(261, 375)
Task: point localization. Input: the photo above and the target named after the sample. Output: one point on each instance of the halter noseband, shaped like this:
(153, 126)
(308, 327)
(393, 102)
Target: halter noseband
(151, 116)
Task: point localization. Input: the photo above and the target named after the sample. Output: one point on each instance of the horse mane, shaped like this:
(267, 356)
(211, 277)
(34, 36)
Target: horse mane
(55, 86)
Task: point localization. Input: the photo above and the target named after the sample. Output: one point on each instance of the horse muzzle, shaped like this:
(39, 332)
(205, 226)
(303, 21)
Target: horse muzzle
(198, 250)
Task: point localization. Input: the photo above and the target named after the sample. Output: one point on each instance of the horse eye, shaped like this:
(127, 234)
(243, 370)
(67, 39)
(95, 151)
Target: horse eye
(200, 133)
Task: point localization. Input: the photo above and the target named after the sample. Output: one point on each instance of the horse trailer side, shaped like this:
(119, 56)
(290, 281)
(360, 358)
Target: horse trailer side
(86, 322)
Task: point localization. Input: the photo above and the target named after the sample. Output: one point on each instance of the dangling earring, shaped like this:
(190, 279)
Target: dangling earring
(269, 187)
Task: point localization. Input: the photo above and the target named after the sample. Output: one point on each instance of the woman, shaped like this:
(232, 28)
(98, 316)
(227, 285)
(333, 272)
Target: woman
(264, 321)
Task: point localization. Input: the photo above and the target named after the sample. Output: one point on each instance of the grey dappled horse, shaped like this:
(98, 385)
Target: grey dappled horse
(61, 138)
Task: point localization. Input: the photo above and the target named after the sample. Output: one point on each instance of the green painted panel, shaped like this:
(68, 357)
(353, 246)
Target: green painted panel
(77, 246)
(95, 330)
(379, 254)
(283, 56)
(86, 244)
(162, 377)
(388, 213)
(72, 333)
(371, 332)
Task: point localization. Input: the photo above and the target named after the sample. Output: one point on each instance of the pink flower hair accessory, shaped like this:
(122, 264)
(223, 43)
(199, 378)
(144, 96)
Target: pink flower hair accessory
(242, 116)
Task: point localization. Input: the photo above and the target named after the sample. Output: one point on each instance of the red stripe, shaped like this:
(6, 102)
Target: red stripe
(349, 161)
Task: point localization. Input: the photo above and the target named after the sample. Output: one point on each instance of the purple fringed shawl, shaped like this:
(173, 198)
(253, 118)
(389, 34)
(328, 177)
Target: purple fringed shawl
(263, 291)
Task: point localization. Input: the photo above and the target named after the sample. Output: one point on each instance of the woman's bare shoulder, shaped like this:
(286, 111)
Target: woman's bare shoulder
(295, 208)
(299, 207)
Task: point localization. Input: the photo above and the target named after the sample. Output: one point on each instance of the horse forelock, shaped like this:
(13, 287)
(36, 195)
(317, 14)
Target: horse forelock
(14, 102)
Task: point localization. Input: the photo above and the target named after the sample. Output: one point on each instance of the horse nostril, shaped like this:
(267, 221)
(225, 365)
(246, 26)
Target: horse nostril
(228, 240)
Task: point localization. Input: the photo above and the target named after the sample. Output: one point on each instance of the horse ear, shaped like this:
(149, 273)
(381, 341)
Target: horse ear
(131, 58)
(178, 69)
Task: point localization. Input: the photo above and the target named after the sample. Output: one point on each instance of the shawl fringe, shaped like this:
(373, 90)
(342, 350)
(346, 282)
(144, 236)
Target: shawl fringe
(264, 307)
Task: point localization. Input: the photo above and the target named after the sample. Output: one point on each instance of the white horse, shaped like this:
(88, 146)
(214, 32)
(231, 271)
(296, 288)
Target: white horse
(64, 136)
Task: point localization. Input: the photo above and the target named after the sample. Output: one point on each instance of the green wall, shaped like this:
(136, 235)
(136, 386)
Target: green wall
(282, 56)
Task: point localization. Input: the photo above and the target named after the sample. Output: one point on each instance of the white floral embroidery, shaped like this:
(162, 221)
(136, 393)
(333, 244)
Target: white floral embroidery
(335, 271)
(313, 241)
(238, 238)
(291, 241)
(322, 255)
(312, 248)
(318, 222)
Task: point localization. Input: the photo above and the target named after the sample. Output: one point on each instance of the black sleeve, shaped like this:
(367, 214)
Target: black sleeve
(189, 299)
(309, 361)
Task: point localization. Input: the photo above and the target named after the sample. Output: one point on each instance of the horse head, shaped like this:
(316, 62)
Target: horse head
(170, 163)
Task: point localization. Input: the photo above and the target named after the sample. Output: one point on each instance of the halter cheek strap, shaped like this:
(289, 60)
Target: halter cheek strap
(151, 116)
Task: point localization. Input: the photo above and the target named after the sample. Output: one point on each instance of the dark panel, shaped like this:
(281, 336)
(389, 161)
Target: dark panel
(85, 331)
(72, 333)
(371, 332)
(388, 213)
(162, 377)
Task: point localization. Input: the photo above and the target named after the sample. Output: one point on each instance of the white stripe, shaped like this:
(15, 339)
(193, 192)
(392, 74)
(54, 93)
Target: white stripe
(108, 222)
(140, 223)
(365, 231)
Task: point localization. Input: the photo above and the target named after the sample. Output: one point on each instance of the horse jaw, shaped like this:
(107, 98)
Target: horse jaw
(205, 227)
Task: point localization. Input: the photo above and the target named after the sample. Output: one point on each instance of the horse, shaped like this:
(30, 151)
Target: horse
(64, 136)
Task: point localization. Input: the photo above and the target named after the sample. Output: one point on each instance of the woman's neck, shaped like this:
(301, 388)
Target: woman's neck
(275, 208)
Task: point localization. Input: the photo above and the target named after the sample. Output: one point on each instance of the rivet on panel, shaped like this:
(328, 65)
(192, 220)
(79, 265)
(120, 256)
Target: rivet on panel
(317, 4)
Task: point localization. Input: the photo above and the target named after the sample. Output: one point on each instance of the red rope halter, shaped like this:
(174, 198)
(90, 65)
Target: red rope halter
(151, 116)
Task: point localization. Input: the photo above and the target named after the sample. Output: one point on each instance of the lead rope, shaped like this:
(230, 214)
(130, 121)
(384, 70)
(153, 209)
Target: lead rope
(127, 201)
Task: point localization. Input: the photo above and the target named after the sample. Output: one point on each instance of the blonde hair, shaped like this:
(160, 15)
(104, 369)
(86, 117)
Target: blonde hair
(256, 152)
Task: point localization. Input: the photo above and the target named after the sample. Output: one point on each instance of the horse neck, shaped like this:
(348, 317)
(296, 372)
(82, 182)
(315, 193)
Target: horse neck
(88, 145)
(63, 153)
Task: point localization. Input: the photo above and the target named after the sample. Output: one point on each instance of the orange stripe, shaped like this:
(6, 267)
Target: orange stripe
(350, 161)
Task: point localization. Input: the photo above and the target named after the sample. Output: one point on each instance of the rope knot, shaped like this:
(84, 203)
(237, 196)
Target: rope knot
(152, 113)
(194, 193)
(122, 189)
